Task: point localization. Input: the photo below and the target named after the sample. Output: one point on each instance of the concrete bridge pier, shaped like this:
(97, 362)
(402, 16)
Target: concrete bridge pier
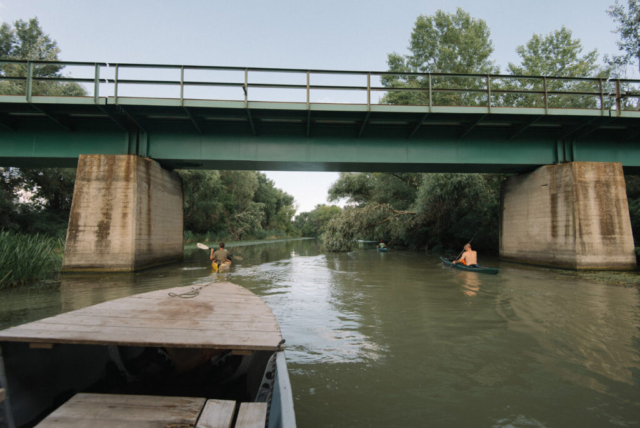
(573, 215)
(126, 215)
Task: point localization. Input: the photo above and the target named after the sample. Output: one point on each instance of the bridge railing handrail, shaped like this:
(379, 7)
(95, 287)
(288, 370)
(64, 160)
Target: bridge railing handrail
(611, 93)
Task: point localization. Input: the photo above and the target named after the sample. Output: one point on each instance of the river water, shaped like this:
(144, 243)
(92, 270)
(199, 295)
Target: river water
(395, 339)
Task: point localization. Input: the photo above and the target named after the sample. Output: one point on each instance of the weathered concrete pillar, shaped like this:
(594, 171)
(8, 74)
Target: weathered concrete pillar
(127, 214)
(573, 215)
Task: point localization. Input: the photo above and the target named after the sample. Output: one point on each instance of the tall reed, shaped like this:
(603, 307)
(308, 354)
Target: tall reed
(28, 257)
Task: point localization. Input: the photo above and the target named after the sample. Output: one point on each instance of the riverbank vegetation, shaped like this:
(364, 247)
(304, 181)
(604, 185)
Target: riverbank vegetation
(235, 205)
(28, 257)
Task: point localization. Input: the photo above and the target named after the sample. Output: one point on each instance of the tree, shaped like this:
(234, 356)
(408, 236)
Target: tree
(314, 223)
(445, 210)
(442, 43)
(425, 210)
(235, 205)
(396, 189)
(556, 54)
(27, 41)
(49, 190)
(628, 21)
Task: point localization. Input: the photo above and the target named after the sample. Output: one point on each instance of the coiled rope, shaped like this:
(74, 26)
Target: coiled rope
(194, 292)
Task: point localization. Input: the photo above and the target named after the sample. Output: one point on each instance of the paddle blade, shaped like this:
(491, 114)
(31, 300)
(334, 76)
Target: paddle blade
(237, 258)
(202, 246)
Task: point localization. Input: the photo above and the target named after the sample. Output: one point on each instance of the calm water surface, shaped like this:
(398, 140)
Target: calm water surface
(394, 339)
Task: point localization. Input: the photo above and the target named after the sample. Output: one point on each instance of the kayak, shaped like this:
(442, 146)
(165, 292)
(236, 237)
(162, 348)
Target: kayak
(224, 267)
(481, 269)
(382, 250)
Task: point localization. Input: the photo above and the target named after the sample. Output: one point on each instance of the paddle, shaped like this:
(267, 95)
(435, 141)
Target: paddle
(204, 247)
(451, 265)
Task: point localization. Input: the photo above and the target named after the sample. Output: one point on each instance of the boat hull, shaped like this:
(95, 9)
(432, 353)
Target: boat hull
(459, 266)
(45, 363)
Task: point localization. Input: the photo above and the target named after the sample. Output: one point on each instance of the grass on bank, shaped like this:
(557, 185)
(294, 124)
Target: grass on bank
(28, 257)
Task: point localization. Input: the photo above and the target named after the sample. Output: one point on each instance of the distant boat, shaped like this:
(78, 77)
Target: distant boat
(481, 269)
(184, 356)
(383, 249)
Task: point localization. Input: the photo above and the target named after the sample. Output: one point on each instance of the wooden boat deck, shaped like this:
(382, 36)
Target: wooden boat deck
(221, 316)
(144, 411)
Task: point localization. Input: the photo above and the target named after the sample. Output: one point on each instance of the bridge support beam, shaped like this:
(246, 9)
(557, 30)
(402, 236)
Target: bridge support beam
(126, 215)
(573, 215)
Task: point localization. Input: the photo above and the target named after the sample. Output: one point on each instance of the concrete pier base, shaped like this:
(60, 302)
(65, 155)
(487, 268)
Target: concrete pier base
(126, 215)
(573, 215)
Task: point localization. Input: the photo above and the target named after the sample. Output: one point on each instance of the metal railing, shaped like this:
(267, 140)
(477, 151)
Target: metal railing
(489, 90)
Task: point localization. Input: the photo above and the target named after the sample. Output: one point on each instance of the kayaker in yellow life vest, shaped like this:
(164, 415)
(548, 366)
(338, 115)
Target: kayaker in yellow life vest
(382, 244)
(469, 257)
(220, 256)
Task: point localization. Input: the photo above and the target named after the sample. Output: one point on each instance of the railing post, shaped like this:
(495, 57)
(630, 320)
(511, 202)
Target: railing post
(546, 97)
(429, 85)
(308, 91)
(182, 85)
(246, 88)
(115, 85)
(29, 88)
(368, 91)
(601, 95)
(618, 99)
(96, 85)
(489, 92)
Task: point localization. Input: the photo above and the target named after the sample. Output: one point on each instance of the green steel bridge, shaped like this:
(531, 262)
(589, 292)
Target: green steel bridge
(475, 129)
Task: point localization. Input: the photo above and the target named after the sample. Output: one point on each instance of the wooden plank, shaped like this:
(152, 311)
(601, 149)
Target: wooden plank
(217, 414)
(3, 394)
(222, 316)
(127, 331)
(230, 340)
(107, 410)
(252, 415)
(267, 325)
(100, 312)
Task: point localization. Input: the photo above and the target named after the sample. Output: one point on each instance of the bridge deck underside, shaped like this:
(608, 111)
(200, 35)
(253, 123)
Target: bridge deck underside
(54, 131)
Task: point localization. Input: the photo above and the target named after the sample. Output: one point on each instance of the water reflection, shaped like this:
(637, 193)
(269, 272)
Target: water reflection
(368, 332)
(470, 283)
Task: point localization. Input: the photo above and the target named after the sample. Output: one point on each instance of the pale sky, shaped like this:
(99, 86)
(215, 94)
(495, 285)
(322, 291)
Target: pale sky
(329, 34)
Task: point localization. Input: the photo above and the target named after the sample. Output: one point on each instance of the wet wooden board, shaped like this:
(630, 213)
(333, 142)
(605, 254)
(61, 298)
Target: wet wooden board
(252, 415)
(221, 316)
(124, 411)
(217, 414)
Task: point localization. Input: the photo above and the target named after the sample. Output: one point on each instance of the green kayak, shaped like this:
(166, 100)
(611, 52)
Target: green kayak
(460, 266)
(382, 250)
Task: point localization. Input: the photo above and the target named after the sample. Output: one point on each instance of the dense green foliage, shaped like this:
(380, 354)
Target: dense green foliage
(36, 200)
(633, 197)
(628, 21)
(26, 257)
(235, 205)
(451, 43)
(432, 211)
(26, 40)
(555, 54)
(314, 223)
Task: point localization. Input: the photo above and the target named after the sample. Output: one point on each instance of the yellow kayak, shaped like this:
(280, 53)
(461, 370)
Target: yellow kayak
(224, 267)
